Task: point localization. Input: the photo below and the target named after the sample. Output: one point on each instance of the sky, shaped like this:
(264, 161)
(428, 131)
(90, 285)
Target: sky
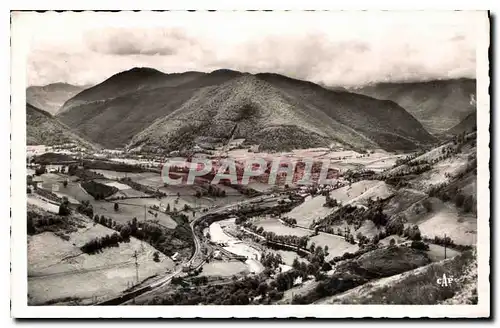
(332, 48)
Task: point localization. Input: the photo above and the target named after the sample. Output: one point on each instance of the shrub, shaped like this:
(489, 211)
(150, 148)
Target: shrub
(419, 245)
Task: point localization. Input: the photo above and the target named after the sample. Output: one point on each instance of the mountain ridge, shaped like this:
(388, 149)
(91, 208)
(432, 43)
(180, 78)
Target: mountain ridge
(149, 103)
(438, 105)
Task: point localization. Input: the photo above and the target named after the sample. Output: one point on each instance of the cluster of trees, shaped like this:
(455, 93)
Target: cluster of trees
(290, 221)
(145, 189)
(359, 252)
(446, 193)
(362, 239)
(463, 138)
(330, 202)
(407, 159)
(413, 233)
(245, 190)
(53, 158)
(98, 190)
(40, 170)
(37, 223)
(237, 292)
(404, 171)
(95, 245)
(271, 260)
(212, 190)
(82, 173)
(313, 268)
(299, 242)
(154, 234)
(448, 242)
(353, 215)
(420, 245)
(86, 208)
(112, 166)
(358, 175)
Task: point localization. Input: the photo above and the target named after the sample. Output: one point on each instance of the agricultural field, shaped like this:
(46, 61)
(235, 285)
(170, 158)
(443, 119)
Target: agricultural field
(224, 269)
(288, 256)
(115, 175)
(436, 253)
(274, 225)
(59, 272)
(74, 191)
(311, 209)
(40, 202)
(337, 245)
(443, 218)
(129, 209)
(360, 191)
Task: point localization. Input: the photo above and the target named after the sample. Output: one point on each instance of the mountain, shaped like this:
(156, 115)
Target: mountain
(43, 129)
(138, 79)
(125, 104)
(51, 97)
(438, 105)
(145, 108)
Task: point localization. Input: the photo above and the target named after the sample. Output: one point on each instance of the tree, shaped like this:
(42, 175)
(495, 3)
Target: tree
(468, 204)
(40, 170)
(262, 289)
(65, 183)
(326, 266)
(392, 242)
(168, 208)
(64, 207)
(419, 245)
(156, 256)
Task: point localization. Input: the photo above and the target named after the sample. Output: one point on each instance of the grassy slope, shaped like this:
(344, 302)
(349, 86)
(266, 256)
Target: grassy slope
(418, 286)
(59, 272)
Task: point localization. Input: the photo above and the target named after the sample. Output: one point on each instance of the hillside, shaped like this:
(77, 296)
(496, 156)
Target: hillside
(144, 107)
(438, 105)
(43, 129)
(418, 286)
(127, 103)
(51, 97)
(468, 124)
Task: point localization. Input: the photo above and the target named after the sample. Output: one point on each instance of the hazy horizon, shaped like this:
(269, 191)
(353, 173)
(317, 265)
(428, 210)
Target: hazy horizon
(330, 48)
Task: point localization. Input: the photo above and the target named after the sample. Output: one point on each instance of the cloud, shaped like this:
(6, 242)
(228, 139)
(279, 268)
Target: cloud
(114, 41)
(328, 48)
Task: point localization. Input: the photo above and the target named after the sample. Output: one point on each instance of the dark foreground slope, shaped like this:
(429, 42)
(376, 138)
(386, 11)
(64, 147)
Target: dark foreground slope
(149, 109)
(438, 105)
(43, 129)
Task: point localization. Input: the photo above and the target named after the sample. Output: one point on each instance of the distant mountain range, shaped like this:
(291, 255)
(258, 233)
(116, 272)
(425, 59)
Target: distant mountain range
(145, 108)
(51, 97)
(439, 105)
(43, 129)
